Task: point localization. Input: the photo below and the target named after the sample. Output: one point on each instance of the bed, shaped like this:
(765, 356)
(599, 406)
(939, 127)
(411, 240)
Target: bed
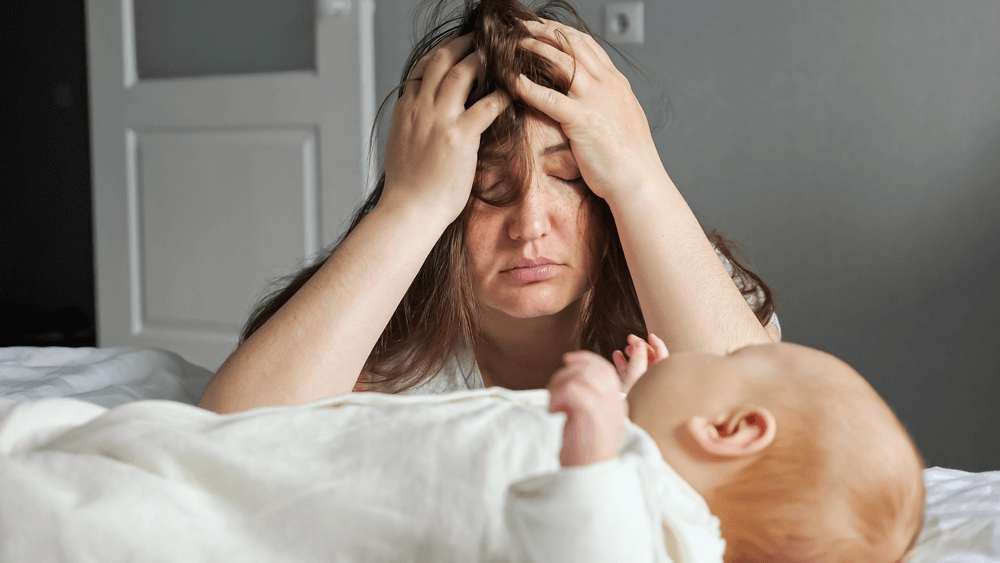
(54, 391)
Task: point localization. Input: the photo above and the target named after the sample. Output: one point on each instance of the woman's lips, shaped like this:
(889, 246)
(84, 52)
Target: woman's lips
(532, 273)
(526, 270)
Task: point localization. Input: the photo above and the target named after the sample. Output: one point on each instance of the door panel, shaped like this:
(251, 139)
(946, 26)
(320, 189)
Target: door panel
(208, 187)
(223, 37)
(185, 176)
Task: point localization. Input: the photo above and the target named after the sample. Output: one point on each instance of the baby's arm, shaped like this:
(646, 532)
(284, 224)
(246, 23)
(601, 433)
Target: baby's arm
(588, 390)
(592, 509)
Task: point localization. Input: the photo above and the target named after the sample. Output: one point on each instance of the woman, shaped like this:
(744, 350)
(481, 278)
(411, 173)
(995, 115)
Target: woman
(523, 213)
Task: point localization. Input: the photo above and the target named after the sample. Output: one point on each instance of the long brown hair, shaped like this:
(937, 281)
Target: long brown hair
(438, 313)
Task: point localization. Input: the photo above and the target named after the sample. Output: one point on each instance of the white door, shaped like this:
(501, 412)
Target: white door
(208, 184)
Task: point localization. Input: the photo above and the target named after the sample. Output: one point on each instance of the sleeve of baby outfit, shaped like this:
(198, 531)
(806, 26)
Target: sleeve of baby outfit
(580, 514)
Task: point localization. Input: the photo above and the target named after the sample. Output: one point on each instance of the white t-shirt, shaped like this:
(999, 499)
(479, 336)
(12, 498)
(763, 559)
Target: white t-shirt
(461, 373)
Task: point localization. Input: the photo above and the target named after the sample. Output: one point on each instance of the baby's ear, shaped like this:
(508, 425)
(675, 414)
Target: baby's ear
(744, 431)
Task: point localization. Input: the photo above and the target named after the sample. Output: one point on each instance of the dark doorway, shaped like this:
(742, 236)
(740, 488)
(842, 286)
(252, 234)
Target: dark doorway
(46, 235)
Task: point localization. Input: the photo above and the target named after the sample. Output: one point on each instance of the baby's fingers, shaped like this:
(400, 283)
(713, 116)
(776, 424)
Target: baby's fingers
(638, 359)
(621, 363)
(657, 349)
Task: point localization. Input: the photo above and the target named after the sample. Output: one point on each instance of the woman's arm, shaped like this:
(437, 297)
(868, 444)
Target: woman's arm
(684, 290)
(685, 293)
(317, 343)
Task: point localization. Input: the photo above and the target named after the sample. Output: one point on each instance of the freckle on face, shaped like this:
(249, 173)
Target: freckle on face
(551, 221)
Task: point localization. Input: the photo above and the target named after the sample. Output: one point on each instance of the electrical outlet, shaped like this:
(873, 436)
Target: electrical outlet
(623, 22)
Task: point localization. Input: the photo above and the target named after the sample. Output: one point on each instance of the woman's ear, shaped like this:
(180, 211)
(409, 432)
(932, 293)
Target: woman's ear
(742, 432)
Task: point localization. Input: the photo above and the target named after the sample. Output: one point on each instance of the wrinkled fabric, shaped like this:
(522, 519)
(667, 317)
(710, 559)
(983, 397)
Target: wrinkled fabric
(362, 477)
(962, 518)
(102, 376)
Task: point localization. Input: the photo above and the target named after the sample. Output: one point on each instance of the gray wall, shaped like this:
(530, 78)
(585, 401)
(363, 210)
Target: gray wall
(853, 148)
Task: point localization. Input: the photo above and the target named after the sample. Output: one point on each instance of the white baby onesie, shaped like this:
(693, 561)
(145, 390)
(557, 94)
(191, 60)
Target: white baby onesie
(634, 508)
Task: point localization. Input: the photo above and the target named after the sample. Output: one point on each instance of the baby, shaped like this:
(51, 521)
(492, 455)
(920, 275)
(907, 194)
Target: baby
(792, 450)
(782, 451)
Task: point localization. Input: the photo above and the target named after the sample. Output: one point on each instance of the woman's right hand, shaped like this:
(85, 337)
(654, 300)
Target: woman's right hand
(431, 154)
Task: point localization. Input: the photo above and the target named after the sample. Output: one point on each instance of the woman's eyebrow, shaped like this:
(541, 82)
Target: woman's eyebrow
(556, 148)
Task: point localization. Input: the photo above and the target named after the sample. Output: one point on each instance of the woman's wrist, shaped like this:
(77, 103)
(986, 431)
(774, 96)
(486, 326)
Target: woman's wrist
(643, 195)
(434, 215)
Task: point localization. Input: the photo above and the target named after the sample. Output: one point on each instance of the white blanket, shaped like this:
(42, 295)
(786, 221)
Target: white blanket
(162, 481)
(361, 478)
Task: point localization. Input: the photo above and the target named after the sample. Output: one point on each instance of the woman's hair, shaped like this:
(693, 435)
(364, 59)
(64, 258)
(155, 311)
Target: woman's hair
(438, 314)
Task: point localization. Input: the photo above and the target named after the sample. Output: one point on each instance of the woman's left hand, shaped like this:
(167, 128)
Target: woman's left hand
(607, 129)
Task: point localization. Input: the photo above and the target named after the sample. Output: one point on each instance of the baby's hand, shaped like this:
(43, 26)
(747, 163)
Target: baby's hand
(640, 355)
(588, 390)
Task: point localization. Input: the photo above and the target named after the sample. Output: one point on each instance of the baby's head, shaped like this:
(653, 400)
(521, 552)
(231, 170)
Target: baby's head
(794, 452)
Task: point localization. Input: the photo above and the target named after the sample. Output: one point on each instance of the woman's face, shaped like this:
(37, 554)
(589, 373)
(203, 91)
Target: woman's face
(533, 258)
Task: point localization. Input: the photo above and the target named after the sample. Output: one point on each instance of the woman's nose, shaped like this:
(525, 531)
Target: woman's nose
(530, 217)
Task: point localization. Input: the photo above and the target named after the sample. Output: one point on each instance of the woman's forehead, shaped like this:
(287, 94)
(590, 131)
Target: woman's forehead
(543, 133)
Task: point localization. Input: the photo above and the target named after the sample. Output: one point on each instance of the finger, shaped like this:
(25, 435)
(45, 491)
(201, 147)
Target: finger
(548, 101)
(590, 40)
(485, 111)
(561, 377)
(600, 375)
(633, 342)
(457, 82)
(620, 363)
(411, 85)
(658, 347)
(440, 61)
(584, 369)
(562, 60)
(637, 364)
(417, 72)
(565, 397)
(582, 358)
(572, 398)
(571, 41)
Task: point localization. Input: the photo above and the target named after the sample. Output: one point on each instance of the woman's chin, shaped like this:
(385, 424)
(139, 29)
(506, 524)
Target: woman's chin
(534, 309)
(531, 313)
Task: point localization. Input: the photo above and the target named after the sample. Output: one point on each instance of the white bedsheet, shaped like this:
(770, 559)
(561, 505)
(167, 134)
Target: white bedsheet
(962, 516)
(102, 376)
